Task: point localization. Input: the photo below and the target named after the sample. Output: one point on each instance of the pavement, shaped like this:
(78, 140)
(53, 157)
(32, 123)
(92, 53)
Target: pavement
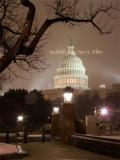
(59, 151)
(37, 150)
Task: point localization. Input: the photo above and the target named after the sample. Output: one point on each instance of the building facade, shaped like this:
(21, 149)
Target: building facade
(71, 72)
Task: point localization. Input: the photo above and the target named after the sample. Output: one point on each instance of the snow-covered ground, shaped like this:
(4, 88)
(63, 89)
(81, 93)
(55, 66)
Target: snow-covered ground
(6, 149)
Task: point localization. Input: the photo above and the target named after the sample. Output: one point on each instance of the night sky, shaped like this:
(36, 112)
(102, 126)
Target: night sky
(101, 69)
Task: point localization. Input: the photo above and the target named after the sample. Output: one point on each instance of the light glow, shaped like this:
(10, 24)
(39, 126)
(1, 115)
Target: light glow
(104, 111)
(55, 110)
(20, 118)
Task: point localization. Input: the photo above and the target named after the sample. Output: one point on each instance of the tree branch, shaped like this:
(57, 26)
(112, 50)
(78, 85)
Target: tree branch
(10, 30)
(65, 11)
(6, 60)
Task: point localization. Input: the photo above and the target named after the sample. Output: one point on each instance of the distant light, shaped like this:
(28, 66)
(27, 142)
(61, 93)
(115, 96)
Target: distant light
(95, 112)
(55, 110)
(104, 112)
(20, 118)
(102, 86)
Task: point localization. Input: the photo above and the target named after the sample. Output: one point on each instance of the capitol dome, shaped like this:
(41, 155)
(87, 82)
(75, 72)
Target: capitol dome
(71, 72)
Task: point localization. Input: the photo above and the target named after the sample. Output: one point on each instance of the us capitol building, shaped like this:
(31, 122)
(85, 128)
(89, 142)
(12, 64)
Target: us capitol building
(71, 72)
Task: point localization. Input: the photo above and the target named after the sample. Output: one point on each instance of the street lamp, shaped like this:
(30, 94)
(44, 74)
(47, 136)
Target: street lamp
(56, 110)
(68, 95)
(104, 112)
(105, 119)
(55, 122)
(67, 121)
(20, 118)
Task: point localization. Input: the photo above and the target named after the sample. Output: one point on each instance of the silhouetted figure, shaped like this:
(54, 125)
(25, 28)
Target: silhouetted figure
(25, 134)
(43, 132)
(7, 135)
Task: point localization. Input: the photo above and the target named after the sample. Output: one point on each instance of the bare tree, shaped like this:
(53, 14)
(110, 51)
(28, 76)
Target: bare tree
(19, 40)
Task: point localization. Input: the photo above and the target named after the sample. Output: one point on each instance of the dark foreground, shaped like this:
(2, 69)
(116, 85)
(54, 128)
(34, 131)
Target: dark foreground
(58, 151)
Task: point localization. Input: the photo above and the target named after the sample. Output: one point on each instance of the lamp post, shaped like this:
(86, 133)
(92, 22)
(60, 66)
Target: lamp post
(103, 115)
(55, 132)
(67, 122)
(22, 119)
